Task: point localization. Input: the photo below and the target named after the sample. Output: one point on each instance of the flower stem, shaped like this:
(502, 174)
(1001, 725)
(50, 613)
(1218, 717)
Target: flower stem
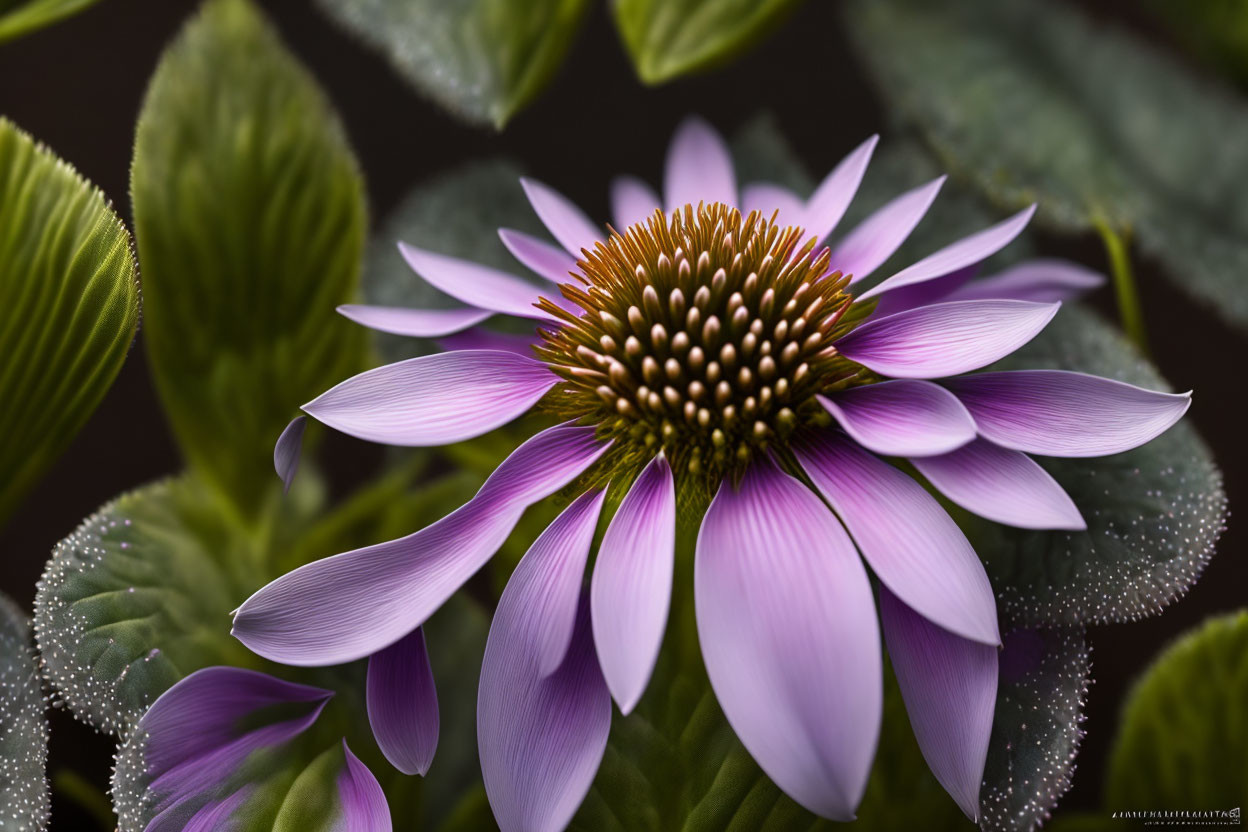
(1130, 312)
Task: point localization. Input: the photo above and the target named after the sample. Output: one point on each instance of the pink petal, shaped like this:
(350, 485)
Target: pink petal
(434, 399)
(355, 604)
(474, 284)
(949, 686)
(765, 198)
(632, 201)
(403, 703)
(876, 238)
(566, 223)
(1040, 281)
(287, 450)
(542, 730)
(543, 259)
(480, 338)
(699, 167)
(1002, 485)
(1061, 413)
(907, 417)
(360, 798)
(965, 252)
(945, 339)
(912, 544)
(632, 584)
(788, 633)
(830, 200)
(419, 323)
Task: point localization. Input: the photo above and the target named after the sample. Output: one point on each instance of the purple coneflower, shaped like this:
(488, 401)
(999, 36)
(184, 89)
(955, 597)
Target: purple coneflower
(713, 352)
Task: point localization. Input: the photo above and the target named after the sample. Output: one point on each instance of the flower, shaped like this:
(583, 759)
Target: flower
(722, 361)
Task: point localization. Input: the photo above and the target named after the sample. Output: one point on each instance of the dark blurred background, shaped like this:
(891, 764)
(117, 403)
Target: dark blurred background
(77, 87)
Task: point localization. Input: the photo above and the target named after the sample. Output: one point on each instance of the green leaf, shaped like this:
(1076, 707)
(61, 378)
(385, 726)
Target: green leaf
(1180, 744)
(21, 17)
(670, 38)
(1033, 101)
(69, 307)
(484, 60)
(250, 217)
(1153, 514)
(23, 727)
(1215, 31)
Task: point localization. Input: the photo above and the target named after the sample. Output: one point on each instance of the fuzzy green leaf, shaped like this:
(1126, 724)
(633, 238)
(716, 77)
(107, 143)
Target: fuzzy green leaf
(250, 217)
(484, 60)
(1183, 739)
(69, 307)
(1033, 101)
(21, 17)
(23, 727)
(670, 38)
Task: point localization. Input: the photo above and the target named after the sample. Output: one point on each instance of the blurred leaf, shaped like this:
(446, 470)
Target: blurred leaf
(1214, 30)
(484, 60)
(761, 153)
(1032, 101)
(21, 17)
(23, 727)
(1183, 739)
(250, 219)
(69, 307)
(670, 38)
(1153, 514)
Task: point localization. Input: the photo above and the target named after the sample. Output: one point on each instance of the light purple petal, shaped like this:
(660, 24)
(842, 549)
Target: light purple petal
(540, 257)
(907, 417)
(946, 338)
(632, 584)
(540, 737)
(434, 399)
(352, 605)
(403, 703)
(362, 802)
(788, 633)
(632, 201)
(1061, 413)
(213, 816)
(914, 547)
(476, 285)
(566, 223)
(286, 451)
(418, 323)
(1002, 485)
(1041, 281)
(765, 198)
(936, 290)
(828, 203)
(480, 338)
(949, 686)
(965, 252)
(876, 238)
(699, 167)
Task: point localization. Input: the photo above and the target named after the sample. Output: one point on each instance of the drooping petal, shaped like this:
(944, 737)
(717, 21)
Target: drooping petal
(831, 198)
(945, 339)
(766, 197)
(914, 547)
(213, 816)
(418, 323)
(403, 703)
(286, 451)
(1062, 413)
(788, 633)
(699, 167)
(565, 222)
(354, 604)
(907, 417)
(965, 252)
(1039, 281)
(476, 285)
(949, 685)
(361, 801)
(480, 338)
(540, 736)
(632, 201)
(876, 238)
(936, 290)
(543, 259)
(1002, 485)
(434, 399)
(632, 583)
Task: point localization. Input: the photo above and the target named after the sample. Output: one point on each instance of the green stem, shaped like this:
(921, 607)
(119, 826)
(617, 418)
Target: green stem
(1129, 310)
(89, 797)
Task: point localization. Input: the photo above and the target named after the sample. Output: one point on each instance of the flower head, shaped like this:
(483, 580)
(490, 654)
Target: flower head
(714, 352)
